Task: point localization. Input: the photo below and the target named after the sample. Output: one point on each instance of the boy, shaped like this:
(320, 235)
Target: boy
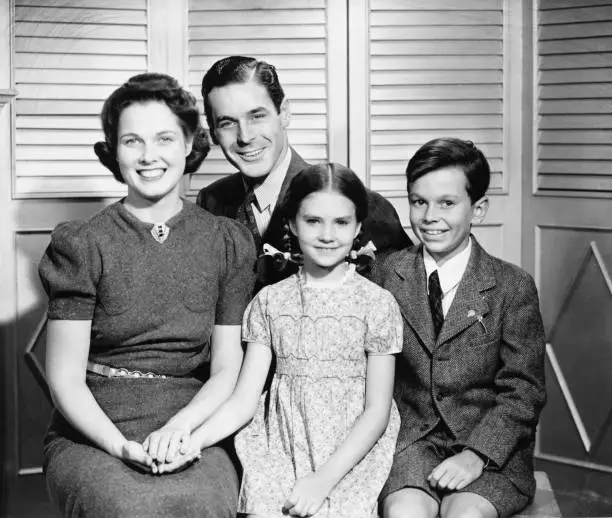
(470, 381)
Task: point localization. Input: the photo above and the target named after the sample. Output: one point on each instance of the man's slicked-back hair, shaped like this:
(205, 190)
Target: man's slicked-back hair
(446, 152)
(241, 69)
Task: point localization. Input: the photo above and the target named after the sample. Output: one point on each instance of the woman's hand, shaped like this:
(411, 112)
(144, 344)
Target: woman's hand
(165, 444)
(135, 455)
(307, 496)
(180, 462)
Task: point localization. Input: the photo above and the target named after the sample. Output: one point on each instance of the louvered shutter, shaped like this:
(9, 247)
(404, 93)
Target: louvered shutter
(290, 34)
(69, 56)
(575, 97)
(436, 69)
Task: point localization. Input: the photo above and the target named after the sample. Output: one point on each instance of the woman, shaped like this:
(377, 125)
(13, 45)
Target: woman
(143, 340)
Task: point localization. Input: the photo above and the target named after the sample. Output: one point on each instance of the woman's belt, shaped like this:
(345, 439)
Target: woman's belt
(113, 372)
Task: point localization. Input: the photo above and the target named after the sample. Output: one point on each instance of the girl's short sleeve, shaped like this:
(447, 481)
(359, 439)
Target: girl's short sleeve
(256, 324)
(238, 264)
(69, 270)
(384, 333)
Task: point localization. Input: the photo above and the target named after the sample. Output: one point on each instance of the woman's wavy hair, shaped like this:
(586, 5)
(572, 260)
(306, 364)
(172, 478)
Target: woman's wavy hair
(144, 88)
(316, 178)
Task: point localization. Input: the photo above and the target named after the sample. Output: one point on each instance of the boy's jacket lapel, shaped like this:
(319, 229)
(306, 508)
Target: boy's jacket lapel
(469, 305)
(415, 308)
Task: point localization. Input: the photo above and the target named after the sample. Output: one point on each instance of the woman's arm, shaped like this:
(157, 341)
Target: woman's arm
(238, 409)
(242, 404)
(309, 492)
(66, 365)
(225, 359)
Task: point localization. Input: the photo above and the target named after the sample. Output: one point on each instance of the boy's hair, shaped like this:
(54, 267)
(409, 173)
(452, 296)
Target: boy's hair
(241, 69)
(151, 87)
(452, 152)
(325, 177)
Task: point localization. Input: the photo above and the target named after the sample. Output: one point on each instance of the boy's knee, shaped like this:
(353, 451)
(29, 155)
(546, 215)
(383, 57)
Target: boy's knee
(412, 503)
(467, 505)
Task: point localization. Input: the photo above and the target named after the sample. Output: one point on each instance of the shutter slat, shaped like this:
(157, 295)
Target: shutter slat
(572, 136)
(80, 15)
(444, 107)
(268, 17)
(226, 5)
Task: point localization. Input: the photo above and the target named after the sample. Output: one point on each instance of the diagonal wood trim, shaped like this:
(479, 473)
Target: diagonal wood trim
(572, 462)
(569, 400)
(602, 265)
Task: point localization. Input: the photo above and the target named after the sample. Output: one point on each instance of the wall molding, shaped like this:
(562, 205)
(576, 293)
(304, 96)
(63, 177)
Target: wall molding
(6, 95)
(590, 228)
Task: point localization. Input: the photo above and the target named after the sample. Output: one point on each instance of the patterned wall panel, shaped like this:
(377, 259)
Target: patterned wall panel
(577, 420)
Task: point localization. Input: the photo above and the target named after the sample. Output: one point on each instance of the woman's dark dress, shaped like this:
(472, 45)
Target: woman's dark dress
(153, 307)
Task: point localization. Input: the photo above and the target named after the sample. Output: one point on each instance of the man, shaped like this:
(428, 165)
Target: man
(248, 116)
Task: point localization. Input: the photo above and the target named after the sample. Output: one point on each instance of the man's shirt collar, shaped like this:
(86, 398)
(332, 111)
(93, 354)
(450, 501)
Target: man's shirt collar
(268, 191)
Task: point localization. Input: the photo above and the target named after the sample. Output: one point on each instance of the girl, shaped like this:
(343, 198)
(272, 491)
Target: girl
(143, 340)
(322, 440)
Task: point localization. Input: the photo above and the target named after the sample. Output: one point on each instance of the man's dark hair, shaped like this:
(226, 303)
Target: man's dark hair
(241, 69)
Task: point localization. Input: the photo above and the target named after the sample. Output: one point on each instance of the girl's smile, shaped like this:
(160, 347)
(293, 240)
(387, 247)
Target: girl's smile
(325, 226)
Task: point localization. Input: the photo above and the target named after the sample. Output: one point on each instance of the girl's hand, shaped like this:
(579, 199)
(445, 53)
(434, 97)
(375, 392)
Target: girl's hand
(135, 455)
(457, 471)
(307, 496)
(165, 444)
(180, 462)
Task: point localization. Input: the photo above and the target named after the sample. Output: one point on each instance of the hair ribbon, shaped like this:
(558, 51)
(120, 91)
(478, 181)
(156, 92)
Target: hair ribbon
(268, 249)
(366, 250)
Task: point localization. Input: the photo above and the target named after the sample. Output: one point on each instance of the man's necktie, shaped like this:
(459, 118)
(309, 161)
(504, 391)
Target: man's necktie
(245, 215)
(435, 301)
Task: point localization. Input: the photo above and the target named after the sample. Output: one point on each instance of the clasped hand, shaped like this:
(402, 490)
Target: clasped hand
(164, 451)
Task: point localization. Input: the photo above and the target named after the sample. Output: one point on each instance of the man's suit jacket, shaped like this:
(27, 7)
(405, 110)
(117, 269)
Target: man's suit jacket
(226, 195)
(484, 375)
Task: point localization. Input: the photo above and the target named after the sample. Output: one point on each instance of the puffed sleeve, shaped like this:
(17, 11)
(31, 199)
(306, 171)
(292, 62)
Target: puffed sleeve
(237, 282)
(69, 270)
(384, 334)
(256, 324)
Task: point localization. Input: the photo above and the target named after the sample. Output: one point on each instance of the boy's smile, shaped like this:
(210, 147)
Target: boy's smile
(441, 212)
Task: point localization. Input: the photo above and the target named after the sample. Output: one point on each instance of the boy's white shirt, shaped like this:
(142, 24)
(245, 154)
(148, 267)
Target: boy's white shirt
(268, 191)
(450, 273)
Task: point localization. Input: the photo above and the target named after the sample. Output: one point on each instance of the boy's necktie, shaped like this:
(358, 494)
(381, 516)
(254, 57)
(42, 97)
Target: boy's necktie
(435, 301)
(245, 215)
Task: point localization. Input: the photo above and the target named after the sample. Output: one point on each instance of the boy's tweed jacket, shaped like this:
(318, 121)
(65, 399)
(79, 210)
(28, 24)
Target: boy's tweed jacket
(484, 375)
(225, 196)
